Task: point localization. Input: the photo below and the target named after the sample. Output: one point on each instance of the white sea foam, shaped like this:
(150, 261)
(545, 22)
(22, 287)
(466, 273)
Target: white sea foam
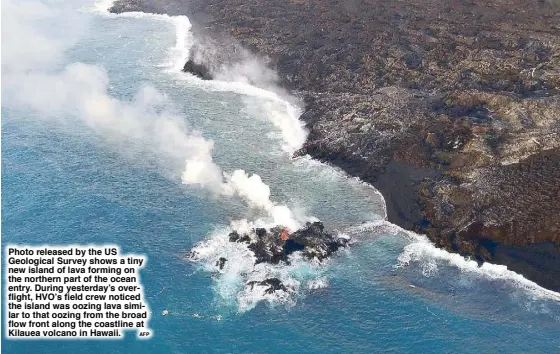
(232, 283)
(424, 253)
(103, 6)
(178, 54)
(200, 170)
(319, 283)
(281, 113)
(377, 226)
(333, 173)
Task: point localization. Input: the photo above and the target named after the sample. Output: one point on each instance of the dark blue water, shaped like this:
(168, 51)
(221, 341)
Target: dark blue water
(63, 183)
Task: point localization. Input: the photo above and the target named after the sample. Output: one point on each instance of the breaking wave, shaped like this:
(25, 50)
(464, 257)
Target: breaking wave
(231, 281)
(282, 113)
(422, 253)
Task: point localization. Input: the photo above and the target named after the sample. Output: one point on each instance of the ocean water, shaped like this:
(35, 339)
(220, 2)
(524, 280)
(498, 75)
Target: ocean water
(71, 176)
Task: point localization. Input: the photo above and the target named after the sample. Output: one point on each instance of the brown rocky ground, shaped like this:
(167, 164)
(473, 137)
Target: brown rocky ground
(451, 108)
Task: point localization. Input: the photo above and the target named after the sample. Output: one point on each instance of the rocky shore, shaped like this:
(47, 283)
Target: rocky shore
(450, 108)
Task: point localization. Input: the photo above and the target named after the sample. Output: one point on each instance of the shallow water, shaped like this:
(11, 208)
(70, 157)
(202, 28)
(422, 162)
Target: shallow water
(391, 291)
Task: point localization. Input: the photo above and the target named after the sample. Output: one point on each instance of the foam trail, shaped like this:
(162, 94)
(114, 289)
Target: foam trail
(184, 42)
(179, 54)
(423, 251)
(200, 170)
(334, 173)
(81, 91)
(78, 95)
(281, 113)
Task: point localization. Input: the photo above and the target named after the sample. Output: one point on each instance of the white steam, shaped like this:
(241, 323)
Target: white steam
(205, 174)
(236, 69)
(79, 94)
(232, 283)
(200, 170)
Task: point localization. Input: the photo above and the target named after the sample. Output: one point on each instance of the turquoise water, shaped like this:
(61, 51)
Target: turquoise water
(63, 182)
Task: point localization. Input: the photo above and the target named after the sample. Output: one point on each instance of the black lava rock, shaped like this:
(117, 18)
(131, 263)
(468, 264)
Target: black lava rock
(199, 70)
(268, 245)
(274, 284)
(221, 263)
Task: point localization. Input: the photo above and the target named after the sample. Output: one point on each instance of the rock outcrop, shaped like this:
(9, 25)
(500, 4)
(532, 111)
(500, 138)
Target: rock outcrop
(450, 108)
(198, 70)
(275, 245)
(269, 246)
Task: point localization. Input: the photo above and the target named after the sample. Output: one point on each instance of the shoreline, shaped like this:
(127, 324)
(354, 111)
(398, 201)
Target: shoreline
(420, 174)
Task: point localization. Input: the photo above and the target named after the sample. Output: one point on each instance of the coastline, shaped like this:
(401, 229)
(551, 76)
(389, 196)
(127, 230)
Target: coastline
(107, 133)
(421, 174)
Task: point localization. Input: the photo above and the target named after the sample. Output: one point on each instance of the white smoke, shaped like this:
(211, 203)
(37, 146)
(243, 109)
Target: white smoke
(79, 94)
(236, 69)
(24, 43)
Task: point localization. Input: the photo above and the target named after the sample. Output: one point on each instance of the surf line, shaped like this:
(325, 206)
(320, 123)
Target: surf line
(291, 127)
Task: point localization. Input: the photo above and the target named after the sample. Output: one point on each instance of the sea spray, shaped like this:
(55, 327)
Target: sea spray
(422, 252)
(231, 281)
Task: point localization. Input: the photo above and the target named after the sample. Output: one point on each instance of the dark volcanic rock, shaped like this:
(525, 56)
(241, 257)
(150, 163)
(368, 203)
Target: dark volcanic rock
(198, 70)
(274, 246)
(450, 108)
(220, 263)
(312, 240)
(272, 284)
(235, 237)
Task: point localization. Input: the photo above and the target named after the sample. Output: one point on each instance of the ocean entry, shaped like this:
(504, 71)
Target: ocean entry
(82, 179)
